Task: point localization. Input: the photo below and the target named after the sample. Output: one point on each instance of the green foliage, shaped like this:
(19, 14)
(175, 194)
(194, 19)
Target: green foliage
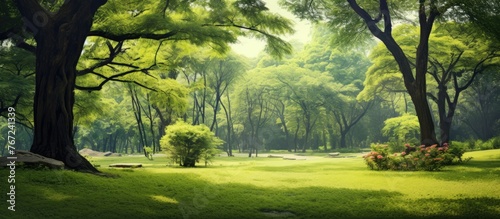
(185, 144)
(17, 81)
(414, 158)
(478, 144)
(405, 128)
(148, 152)
(210, 23)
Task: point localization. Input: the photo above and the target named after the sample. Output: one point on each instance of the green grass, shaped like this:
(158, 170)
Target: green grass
(241, 187)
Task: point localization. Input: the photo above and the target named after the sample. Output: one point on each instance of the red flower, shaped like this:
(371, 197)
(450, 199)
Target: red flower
(380, 157)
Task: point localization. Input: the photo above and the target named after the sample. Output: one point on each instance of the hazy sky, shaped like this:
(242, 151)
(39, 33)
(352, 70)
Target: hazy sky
(251, 47)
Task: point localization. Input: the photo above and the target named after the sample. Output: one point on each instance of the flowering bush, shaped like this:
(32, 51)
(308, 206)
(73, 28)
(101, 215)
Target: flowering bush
(429, 158)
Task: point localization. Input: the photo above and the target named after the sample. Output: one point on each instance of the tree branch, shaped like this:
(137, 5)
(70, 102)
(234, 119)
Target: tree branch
(478, 69)
(115, 78)
(370, 22)
(131, 36)
(113, 52)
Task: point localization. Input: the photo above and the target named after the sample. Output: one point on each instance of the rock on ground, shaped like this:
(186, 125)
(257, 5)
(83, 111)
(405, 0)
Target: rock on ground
(92, 153)
(29, 158)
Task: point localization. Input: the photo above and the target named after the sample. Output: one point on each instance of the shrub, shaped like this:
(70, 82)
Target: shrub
(495, 142)
(492, 143)
(186, 144)
(487, 145)
(420, 158)
(148, 152)
(458, 150)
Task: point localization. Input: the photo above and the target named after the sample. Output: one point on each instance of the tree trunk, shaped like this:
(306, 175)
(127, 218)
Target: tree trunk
(60, 40)
(229, 125)
(342, 139)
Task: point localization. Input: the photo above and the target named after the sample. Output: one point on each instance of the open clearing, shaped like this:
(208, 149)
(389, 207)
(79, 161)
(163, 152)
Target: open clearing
(242, 187)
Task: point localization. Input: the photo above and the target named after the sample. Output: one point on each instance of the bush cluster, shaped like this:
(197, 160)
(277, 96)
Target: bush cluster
(429, 158)
(492, 143)
(186, 144)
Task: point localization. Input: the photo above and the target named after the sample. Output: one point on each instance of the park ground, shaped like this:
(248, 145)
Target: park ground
(262, 187)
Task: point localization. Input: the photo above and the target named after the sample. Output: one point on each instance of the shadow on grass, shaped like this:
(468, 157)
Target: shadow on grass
(463, 208)
(470, 171)
(142, 194)
(484, 164)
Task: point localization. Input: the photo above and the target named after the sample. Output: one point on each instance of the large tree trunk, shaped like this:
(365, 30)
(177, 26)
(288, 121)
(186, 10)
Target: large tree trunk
(60, 40)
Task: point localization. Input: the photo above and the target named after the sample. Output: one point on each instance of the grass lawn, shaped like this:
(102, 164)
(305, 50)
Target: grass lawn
(241, 187)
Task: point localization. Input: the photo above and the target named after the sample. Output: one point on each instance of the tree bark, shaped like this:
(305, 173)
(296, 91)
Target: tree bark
(60, 38)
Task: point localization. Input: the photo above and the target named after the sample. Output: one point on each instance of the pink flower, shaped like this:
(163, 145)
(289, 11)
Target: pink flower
(380, 157)
(445, 144)
(427, 155)
(407, 145)
(440, 149)
(403, 153)
(422, 146)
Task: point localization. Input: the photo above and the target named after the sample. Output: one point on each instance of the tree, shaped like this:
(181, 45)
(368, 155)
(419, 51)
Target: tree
(404, 128)
(186, 143)
(479, 111)
(471, 54)
(347, 68)
(459, 53)
(60, 29)
(378, 18)
(483, 14)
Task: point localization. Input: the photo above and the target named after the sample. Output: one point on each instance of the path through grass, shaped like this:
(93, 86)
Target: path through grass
(240, 187)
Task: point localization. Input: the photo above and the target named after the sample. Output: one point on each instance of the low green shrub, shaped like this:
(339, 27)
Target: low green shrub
(186, 144)
(417, 158)
(495, 142)
(478, 144)
(148, 152)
